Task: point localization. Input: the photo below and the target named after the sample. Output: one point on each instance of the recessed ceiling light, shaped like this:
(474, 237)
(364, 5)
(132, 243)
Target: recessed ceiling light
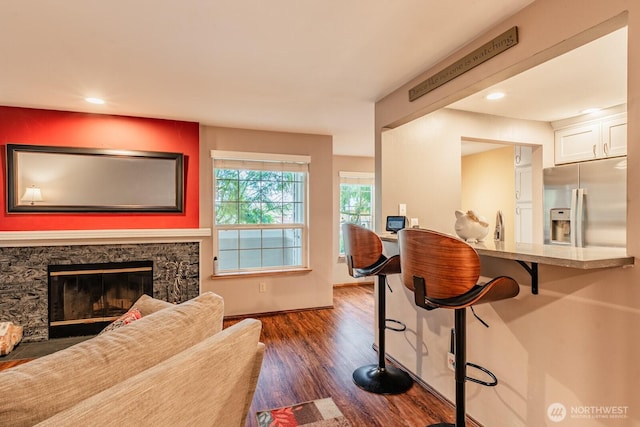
(495, 95)
(590, 110)
(94, 100)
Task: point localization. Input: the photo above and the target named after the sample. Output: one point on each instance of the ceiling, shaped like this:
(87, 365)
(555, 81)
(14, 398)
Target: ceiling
(311, 66)
(591, 76)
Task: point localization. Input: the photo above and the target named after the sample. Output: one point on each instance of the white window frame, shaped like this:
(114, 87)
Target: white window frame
(265, 161)
(357, 178)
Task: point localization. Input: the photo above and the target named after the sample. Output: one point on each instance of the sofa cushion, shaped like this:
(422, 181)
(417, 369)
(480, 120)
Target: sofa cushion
(148, 305)
(36, 390)
(208, 384)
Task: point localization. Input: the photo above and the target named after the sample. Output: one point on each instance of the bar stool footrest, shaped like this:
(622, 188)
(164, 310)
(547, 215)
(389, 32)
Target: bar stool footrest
(494, 381)
(401, 328)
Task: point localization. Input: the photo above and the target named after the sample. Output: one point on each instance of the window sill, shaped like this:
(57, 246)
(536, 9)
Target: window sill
(236, 275)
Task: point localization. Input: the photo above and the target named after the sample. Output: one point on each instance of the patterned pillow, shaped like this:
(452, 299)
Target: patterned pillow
(130, 316)
(10, 336)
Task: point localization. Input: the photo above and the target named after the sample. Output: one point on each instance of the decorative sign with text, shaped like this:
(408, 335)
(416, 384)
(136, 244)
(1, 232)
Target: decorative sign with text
(495, 47)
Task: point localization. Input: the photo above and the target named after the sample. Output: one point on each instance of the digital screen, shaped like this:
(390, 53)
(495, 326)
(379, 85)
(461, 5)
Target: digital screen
(395, 223)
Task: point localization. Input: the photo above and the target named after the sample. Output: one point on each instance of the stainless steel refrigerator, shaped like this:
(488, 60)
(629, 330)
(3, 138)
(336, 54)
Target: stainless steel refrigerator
(585, 204)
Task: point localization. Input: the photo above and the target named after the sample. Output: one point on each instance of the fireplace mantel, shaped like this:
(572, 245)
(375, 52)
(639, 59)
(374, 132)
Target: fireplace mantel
(99, 237)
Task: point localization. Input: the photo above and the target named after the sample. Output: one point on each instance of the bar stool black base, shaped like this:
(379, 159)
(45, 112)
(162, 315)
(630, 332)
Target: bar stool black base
(389, 380)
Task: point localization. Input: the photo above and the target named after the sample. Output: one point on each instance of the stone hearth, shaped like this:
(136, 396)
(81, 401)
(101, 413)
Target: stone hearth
(23, 274)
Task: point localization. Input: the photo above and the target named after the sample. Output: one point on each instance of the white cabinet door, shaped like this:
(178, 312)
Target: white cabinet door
(614, 136)
(522, 155)
(597, 139)
(577, 143)
(524, 184)
(524, 223)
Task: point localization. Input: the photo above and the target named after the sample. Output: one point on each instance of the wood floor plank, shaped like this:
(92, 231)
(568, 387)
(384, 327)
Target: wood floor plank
(312, 354)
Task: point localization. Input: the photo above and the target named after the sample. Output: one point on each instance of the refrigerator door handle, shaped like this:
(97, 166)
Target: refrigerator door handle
(572, 218)
(580, 217)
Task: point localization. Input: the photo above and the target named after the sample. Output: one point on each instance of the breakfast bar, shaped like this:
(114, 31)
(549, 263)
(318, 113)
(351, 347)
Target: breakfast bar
(529, 255)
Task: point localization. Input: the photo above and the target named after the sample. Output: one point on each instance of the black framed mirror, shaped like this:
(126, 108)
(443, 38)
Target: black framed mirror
(69, 179)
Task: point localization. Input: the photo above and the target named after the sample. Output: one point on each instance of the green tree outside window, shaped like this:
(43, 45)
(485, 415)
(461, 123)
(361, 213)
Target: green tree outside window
(356, 206)
(272, 201)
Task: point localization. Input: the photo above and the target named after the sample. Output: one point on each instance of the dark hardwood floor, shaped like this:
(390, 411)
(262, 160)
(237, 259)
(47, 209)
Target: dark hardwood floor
(312, 354)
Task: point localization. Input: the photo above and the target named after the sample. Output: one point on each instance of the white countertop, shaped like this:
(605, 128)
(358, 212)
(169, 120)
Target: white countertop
(564, 256)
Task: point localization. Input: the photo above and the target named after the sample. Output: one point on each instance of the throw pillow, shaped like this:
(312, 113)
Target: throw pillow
(10, 336)
(147, 304)
(130, 316)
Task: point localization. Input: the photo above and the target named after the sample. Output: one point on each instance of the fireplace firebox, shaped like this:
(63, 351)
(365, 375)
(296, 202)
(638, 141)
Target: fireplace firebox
(84, 298)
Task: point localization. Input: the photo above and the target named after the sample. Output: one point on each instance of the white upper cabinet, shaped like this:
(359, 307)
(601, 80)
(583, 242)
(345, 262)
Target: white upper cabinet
(577, 143)
(614, 136)
(591, 140)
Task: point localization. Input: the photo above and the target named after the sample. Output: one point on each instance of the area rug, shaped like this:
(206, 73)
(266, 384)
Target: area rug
(317, 413)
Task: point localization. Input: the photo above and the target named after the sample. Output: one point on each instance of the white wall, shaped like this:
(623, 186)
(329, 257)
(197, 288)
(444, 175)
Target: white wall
(421, 162)
(574, 343)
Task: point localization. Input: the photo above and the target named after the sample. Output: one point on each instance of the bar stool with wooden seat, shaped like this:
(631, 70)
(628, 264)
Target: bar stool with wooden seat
(363, 252)
(443, 272)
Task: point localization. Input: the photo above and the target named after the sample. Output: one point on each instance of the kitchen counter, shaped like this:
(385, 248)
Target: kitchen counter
(558, 255)
(563, 256)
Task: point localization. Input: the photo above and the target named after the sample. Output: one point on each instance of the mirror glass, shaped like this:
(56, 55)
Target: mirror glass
(59, 179)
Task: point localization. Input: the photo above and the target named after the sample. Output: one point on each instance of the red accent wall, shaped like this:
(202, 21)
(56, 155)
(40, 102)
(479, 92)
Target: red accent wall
(61, 128)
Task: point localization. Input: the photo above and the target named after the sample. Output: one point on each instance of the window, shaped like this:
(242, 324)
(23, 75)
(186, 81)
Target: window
(260, 211)
(356, 200)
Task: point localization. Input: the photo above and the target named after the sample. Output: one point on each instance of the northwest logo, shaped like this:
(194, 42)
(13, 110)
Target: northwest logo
(556, 412)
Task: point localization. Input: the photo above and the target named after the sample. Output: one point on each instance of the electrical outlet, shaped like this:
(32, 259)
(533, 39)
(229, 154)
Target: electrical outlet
(263, 287)
(451, 361)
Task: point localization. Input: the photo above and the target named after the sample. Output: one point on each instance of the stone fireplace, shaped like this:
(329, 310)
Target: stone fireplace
(24, 265)
(84, 298)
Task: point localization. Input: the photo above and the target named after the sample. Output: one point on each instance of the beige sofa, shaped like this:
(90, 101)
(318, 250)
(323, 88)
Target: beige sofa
(174, 366)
